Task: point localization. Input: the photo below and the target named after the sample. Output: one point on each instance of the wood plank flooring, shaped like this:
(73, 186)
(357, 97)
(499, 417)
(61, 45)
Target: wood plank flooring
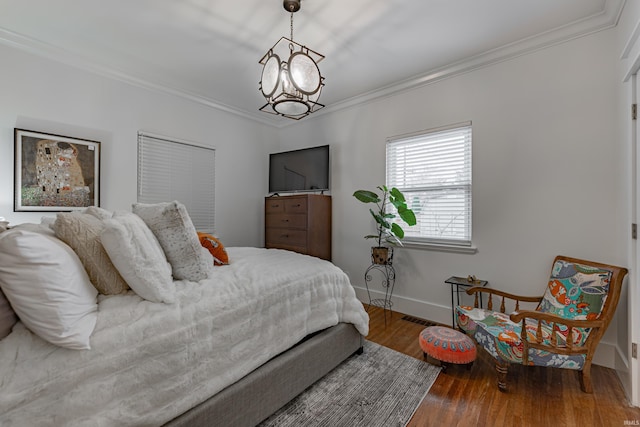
(536, 397)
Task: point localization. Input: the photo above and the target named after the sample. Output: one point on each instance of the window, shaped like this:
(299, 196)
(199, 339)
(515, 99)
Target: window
(169, 169)
(433, 170)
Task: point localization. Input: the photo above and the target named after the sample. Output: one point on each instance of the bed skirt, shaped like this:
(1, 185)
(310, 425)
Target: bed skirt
(265, 390)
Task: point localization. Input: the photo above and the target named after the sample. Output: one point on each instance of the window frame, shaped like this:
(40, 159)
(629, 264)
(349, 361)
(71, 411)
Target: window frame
(465, 243)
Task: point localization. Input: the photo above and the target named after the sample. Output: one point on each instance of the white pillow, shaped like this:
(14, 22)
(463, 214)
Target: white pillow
(48, 288)
(171, 224)
(137, 255)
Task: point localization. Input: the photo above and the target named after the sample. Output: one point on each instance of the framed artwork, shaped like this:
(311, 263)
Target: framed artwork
(54, 172)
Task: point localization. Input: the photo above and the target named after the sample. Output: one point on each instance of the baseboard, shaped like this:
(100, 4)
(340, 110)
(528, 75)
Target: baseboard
(606, 354)
(623, 369)
(422, 309)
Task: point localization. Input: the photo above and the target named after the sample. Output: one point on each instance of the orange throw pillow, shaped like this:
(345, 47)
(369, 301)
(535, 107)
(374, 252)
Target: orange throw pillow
(215, 247)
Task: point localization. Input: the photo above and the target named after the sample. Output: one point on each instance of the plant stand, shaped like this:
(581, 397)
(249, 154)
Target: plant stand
(388, 275)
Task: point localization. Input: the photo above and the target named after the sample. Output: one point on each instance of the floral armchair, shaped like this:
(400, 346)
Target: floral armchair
(564, 329)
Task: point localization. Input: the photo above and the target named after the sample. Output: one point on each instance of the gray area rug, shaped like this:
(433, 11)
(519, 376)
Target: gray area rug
(380, 387)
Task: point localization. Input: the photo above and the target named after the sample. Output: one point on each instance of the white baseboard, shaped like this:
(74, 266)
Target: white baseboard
(606, 355)
(422, 309)
(623, 369)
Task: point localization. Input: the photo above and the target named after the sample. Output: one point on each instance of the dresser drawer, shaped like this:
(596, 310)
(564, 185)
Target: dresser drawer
(295, 205)
(274, 206)
(285, 220)
(285, 237)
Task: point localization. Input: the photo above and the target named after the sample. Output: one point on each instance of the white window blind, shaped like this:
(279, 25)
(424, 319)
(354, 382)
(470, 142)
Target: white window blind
(170, 169)
(433, 170)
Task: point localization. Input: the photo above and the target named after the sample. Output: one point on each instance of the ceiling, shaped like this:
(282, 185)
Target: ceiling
(208, 50)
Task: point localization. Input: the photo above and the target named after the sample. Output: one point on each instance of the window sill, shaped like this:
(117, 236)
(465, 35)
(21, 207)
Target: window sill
(440, 247)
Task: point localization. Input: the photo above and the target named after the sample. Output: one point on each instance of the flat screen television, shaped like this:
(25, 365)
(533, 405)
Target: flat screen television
(299, 170)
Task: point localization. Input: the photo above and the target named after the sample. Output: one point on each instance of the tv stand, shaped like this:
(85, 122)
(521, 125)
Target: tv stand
(300, 223)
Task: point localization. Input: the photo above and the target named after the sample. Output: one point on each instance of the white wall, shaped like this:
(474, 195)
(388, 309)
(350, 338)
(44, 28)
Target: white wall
(547, 176)
(43, 95)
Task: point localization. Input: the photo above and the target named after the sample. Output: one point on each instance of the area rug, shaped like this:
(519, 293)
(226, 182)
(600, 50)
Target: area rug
(380, 387)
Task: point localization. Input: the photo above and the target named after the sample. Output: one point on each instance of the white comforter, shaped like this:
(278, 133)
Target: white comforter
(150, 362)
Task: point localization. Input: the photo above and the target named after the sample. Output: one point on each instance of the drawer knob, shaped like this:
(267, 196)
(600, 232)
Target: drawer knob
(285, 220)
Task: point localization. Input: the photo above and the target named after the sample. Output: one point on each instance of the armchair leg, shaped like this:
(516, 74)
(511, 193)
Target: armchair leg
(502, 368)
(585, 379)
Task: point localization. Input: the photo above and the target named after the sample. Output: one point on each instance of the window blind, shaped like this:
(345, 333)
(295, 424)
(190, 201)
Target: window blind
(170, 169)
(433, 170)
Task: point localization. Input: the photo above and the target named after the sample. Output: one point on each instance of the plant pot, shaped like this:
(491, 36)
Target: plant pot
(381, 255)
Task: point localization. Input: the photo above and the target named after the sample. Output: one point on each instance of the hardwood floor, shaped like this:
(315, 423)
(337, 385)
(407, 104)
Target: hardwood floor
(536, 397)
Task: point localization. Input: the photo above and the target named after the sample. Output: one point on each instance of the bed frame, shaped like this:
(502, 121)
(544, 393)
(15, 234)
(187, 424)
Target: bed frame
(265, 390)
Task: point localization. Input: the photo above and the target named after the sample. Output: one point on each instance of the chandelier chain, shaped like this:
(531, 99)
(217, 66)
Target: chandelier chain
(291, 23)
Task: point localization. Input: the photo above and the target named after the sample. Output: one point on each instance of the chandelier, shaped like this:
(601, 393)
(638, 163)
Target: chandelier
(291, 81)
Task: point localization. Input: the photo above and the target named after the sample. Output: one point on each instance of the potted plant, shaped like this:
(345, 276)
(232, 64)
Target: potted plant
(387, 231)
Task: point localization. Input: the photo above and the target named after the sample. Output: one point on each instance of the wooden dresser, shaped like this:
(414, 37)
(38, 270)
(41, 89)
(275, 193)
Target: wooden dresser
(300, 223)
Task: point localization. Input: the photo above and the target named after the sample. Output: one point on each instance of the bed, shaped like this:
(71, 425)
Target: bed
(228, 349)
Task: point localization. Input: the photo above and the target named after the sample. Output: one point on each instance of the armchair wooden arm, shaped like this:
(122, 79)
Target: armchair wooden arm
(505, 295)
(554, 346)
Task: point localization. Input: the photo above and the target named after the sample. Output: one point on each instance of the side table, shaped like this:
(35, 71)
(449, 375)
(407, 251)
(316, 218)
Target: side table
(465, 283)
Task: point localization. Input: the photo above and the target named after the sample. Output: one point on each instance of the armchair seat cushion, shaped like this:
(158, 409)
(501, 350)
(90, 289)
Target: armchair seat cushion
(501, 337)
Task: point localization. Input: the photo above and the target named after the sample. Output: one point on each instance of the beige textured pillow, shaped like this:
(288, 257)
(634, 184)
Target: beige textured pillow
(82, 232)
(173, 228)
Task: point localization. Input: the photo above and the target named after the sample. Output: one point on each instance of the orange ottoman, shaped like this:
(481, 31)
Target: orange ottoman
(448, 346)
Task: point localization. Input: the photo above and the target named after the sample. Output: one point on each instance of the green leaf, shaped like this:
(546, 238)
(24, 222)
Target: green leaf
(397, 195)
(366, 196)
(407, 216)
(398, 204)
(397, 230)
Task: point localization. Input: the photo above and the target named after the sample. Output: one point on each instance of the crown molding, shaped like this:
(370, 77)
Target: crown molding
(605, 19)
(54, 53)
